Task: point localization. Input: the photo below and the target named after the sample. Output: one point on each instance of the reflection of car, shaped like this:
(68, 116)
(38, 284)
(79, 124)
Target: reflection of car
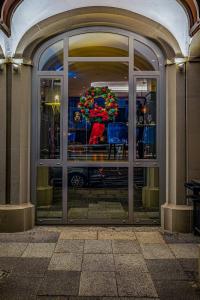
(98, 177)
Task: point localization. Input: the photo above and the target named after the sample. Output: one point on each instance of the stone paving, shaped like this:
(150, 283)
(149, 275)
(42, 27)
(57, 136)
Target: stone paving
(86, 262)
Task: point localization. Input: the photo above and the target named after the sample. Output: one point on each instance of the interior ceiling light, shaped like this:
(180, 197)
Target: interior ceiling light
(121, 86)
(115, 86)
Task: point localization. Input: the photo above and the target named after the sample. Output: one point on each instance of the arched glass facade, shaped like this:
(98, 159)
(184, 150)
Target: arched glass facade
(97, 129)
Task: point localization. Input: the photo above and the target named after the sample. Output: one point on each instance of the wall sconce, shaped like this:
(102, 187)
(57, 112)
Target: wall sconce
(180, 62)
(16, 68)
(181, 67)
(1, 65)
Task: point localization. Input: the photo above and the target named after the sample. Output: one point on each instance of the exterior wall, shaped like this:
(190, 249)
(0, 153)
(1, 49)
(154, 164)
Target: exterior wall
(176, 216)
(20, 135)
(183, 145)
(193, 120)
(3, 135)
(180, 135)
(176, 155)
(18, 213)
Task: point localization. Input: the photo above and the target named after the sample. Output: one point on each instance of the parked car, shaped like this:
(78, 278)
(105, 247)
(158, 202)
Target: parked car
(93, 176)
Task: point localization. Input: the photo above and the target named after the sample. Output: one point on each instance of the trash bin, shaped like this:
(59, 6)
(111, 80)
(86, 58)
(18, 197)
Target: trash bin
(194, 186)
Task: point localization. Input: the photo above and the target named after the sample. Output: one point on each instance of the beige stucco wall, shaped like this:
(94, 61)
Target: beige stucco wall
(193, 119)
(175, 116)
(20, 135)
(2, 134)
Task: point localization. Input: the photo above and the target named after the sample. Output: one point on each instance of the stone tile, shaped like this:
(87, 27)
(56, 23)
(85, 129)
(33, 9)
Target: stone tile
(98, 284)
(149, 238)
(33, 267)
(52, 297)
(189, 264)
(116, 235)
(181, 238)
(66, 261)
(21, 295)
(39, 250)
(4, 274)
(8, 263)
(146, 228)
(44, 237)
(156, 251)
(185, 250)
(166, 269)
(60, 283)
(125, 247)
(135, 284)
(190, 267)
(179, 290)
(32, 236)
(136, 298)
(21, 286)
(12, 249)
(189, 238)
(97, 246)
(130, 263)
(15, 237)
(78, 235)
(69, 246)
(170, 237)
(86, 298)
(98, 262)
(101, 298)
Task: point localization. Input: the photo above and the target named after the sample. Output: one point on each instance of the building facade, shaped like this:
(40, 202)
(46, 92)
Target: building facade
(99, 112)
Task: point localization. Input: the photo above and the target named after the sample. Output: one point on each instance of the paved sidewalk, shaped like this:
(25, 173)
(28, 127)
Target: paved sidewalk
(86, 262)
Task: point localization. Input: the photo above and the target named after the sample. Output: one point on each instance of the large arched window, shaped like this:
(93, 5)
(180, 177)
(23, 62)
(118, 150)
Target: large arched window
(98, 103)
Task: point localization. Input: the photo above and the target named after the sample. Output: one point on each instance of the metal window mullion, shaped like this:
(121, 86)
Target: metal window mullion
(65, 131)
(96, 164)
(130, 132)
(138, 161)
(50, 73)
(146, 73)
(98, 59)
(162, 146)
(34, 131)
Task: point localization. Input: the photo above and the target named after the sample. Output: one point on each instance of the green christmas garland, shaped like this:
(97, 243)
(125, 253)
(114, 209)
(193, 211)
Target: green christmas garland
(93, 112)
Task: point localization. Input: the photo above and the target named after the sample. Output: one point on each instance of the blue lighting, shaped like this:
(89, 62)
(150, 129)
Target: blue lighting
(72, 74)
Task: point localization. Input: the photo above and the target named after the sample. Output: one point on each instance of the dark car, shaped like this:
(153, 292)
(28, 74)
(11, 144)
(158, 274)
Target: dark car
(98, 177)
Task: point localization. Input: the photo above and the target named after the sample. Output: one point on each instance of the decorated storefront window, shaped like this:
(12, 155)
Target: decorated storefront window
(146, 118)
(98, 106)
(98, 111)
(98, 124)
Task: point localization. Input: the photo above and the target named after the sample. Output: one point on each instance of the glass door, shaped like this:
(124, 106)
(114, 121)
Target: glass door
(98, 148)
(96, 129)
(146, 188)
(49, 156)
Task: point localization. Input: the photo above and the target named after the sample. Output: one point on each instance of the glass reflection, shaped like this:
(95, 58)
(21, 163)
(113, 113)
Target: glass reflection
(146, 93)
(146, 195)
(98, 44)
(144, 58)
(49, 193)
(50, 93)
(98, 193)
(52, 58)
(98, 111)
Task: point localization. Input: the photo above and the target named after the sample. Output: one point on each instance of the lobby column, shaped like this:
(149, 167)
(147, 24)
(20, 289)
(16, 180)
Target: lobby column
(18, 213)
(193, 120)
(176, 216)
(2, 134)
